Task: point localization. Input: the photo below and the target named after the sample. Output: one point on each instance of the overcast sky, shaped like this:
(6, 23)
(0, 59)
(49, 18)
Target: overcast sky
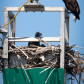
(48, 23)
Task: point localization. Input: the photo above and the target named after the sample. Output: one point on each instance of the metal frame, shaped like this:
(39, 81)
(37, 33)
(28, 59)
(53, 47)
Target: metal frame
(7, 16)
(64, 30)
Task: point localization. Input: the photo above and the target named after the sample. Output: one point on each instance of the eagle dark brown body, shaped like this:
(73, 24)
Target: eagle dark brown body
(37, 35)
(73, 6)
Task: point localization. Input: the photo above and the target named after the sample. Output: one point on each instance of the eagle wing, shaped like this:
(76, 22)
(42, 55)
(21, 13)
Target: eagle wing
(73, 6)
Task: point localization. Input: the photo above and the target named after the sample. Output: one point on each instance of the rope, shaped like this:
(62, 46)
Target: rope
(16, 14)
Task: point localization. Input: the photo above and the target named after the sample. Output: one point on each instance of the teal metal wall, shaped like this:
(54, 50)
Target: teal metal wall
(18, 76)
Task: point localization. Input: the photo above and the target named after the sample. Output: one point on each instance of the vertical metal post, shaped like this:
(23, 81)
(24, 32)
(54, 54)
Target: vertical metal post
(67, 30)
(10, 28)
(5, 41)
(14, 30)
(66, 38)
(62, 42)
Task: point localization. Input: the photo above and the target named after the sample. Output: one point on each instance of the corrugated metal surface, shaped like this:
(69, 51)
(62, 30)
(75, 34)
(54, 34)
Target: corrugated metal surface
(18, 76)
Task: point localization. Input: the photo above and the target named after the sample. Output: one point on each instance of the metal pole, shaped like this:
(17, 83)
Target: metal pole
(5, 41)
(62, 42)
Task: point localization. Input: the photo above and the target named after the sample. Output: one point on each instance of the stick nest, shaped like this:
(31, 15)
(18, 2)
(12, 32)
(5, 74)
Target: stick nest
(49, 57)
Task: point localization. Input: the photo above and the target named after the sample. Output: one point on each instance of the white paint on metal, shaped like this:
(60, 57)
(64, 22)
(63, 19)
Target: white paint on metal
(46, 9)
(62, 42)
(3, 31)
(5, 41)
(26, 39)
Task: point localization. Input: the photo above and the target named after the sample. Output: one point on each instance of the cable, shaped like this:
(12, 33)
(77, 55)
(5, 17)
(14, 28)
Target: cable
(16, 14)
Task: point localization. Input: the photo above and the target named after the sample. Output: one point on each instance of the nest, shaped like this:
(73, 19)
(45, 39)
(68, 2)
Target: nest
(49, 57)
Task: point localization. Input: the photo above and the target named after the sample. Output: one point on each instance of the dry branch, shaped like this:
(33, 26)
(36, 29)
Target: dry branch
(44, 42)
(21, 51)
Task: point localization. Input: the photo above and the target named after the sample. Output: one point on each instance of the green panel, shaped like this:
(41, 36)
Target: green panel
(18, 76)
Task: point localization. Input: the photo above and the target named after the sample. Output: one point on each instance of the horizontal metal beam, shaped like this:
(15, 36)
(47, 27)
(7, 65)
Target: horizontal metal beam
(28, 39)
(46, 9)
(3, 31)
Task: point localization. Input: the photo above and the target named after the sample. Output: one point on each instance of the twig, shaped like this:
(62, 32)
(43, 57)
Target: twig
(21, 51)
(44, 42)
(49, 75)
(79, 47)
(71, 57)
(26, 73)
(34, 46)
(13, 50)
(47, 68)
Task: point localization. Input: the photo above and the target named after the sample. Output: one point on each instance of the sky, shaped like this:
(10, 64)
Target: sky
(48, 23)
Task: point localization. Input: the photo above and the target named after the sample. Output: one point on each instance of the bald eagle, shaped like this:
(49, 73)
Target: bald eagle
(35, 43)
(37, 34)
(73, 6)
